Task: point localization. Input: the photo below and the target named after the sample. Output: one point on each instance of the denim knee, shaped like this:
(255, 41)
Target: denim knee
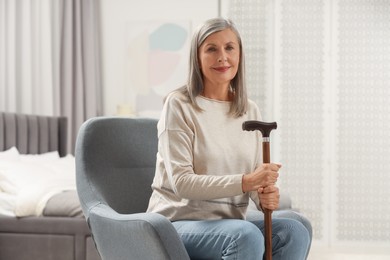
(291, 239)
(297, 216)
(247, 242)
(247, 231)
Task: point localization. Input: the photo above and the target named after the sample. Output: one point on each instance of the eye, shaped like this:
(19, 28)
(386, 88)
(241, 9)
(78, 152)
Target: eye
(229, 48)
(211, 49)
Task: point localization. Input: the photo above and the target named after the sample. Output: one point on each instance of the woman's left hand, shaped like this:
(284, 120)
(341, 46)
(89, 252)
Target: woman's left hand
(269, 197)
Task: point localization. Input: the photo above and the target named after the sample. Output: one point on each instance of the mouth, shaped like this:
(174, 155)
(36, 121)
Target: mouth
(222, 69)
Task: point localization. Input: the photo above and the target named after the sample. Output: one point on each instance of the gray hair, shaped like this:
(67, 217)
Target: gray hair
(194, 85)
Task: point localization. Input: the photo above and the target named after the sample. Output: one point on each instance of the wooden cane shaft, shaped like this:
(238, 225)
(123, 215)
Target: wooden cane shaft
(268, 233)
(267, 212)
(266, 153)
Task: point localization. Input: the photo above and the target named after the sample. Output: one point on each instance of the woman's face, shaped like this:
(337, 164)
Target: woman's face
(219, 57)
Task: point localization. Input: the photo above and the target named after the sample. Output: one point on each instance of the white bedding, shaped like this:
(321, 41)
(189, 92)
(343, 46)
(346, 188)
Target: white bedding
(27, 182)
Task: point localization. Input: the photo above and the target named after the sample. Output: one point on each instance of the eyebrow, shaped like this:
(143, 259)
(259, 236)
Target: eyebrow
(213, 44)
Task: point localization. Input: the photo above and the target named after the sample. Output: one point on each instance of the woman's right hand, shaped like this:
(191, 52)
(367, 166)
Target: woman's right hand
(263, 176)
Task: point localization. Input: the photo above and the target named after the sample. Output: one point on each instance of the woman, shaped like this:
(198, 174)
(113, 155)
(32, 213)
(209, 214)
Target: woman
(208, 167)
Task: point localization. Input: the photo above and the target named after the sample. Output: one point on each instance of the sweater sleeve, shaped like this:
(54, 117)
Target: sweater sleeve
(255, 198)
(176, 139)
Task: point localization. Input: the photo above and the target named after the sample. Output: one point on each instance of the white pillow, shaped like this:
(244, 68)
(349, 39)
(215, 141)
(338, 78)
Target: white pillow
(44, 157)
(16, 173)
(7, 204)
(33, 183)
(10, 154)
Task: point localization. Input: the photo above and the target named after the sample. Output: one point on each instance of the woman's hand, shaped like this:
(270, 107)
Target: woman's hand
(269, 197)
(264, 176)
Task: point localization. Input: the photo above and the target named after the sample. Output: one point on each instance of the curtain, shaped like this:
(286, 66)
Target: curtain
(25, 57)
(50, 59)
(321, 69)
(80, 75)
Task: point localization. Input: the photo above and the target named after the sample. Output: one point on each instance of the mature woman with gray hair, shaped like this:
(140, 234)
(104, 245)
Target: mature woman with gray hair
(207, 168)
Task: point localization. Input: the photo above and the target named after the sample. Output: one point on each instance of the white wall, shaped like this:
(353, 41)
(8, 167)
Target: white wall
(115, 15)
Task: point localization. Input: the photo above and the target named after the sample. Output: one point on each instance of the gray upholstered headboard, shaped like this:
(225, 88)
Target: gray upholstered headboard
(33, 134)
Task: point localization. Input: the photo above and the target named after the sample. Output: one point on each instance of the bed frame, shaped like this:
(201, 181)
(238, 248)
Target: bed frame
(44, 238)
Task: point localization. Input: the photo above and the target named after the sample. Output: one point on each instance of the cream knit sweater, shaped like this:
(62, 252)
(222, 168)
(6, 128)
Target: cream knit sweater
(201, 158)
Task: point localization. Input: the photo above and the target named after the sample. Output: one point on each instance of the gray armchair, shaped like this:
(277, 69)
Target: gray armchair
(115, 162)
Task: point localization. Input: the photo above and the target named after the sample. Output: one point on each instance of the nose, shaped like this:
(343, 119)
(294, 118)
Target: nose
(222, 57)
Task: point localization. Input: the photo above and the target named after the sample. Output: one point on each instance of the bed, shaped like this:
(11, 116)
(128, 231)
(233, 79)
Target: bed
(49, 226)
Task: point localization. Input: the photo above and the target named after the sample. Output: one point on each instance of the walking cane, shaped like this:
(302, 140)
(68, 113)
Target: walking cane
(265, 129)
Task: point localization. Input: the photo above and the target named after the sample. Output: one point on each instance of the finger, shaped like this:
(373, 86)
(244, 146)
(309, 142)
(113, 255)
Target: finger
(275, 166)
(272, 166)
(270, 206)
(265, 190)
(271, 189)
(270, 179)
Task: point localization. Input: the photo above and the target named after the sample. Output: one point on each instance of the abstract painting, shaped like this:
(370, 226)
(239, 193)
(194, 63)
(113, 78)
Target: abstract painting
(156, 62)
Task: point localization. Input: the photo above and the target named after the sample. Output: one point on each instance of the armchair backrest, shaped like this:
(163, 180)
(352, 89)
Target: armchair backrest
(115, 163)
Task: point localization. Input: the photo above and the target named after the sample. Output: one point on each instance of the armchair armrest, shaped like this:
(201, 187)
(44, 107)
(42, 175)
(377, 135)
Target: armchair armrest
(123, 236)
(285, 201)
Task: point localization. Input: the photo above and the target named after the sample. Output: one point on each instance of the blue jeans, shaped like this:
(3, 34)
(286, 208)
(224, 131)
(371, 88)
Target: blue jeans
(242, 239)
(290, 214)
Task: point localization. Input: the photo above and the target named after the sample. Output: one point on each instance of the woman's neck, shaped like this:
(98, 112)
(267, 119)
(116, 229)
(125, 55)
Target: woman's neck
(218, 92)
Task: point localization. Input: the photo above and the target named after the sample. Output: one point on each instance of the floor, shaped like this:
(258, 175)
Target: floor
(322, 253)
(344, 256)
